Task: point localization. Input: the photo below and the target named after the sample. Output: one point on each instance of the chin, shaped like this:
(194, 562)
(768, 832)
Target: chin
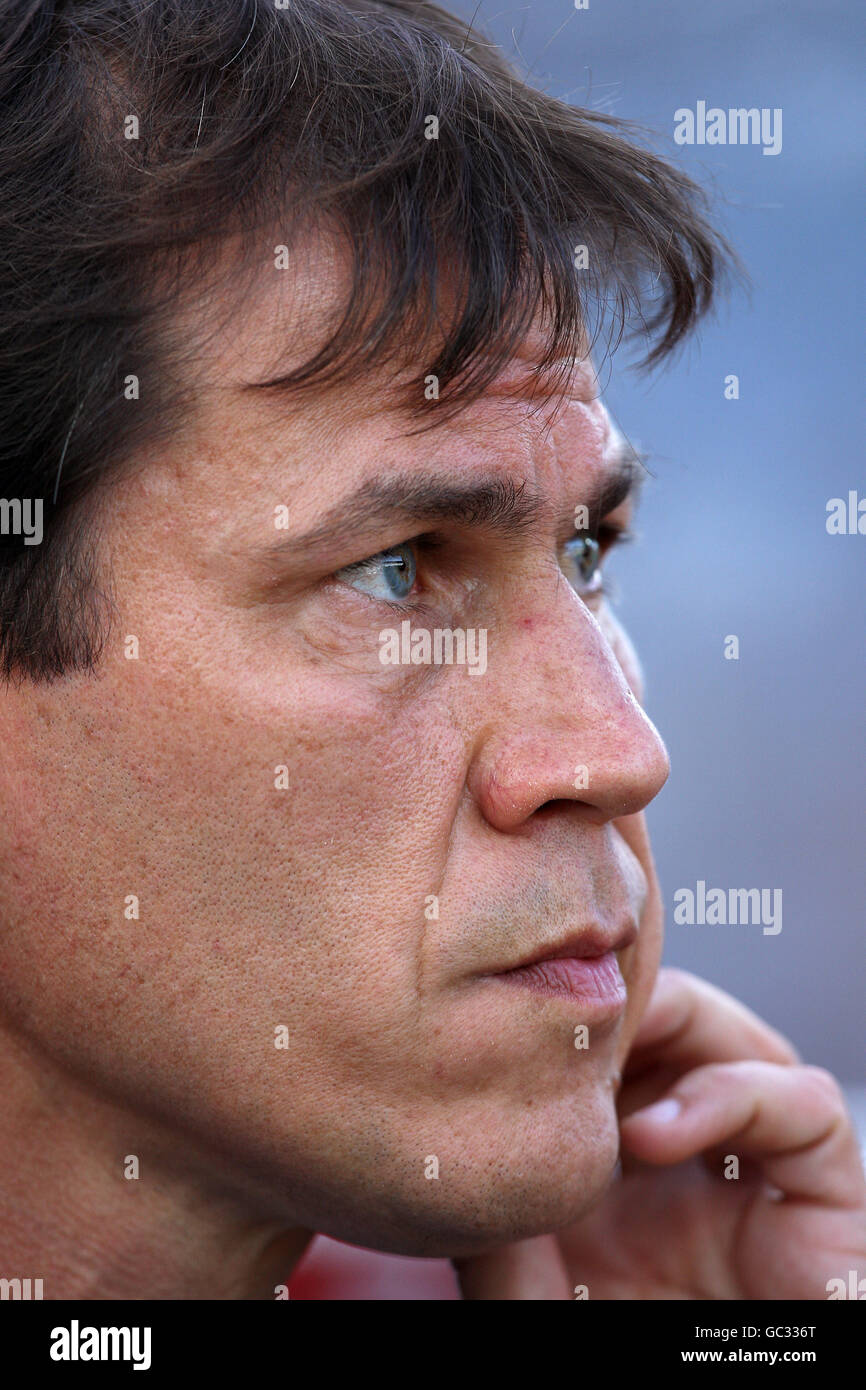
(492, 1191)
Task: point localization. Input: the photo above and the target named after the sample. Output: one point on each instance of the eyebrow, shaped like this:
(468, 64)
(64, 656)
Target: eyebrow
(503, 506)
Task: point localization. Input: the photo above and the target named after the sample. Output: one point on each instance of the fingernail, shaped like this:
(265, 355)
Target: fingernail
(663, 1112)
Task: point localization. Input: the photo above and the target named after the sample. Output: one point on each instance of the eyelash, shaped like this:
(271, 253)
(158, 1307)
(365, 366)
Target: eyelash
(608, 536)
(430, 542)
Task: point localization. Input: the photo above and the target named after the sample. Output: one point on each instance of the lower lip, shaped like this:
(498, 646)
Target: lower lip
(593, 980)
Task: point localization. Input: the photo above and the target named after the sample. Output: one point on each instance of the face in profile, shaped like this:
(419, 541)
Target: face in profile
(362, 942)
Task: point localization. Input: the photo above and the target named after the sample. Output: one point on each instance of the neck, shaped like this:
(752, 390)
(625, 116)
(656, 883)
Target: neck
(73, 1214)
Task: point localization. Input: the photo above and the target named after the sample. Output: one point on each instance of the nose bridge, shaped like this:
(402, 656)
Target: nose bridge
(567, 667)
(563, 723)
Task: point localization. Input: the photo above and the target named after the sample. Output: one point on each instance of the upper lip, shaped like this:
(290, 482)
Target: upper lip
(592, 941)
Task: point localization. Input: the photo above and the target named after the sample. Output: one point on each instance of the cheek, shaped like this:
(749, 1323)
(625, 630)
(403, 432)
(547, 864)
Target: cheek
(624, 651)
(263, 896)
(643, 966)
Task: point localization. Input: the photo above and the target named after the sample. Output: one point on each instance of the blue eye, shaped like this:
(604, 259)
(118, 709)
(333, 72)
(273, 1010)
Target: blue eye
(389, 575)
(581, 564)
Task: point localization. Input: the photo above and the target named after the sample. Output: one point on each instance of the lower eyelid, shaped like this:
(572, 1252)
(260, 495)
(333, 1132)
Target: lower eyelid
(347, 593)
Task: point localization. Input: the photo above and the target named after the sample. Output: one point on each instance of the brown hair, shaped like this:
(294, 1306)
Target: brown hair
(247, 114)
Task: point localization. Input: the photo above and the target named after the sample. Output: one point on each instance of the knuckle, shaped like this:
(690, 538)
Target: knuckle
(824, 1085)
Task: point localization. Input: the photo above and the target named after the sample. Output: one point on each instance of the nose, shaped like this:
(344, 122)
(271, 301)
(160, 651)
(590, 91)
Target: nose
(563, 725)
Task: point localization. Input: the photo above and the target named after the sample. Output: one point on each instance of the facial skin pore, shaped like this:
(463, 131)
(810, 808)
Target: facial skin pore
(305, 907)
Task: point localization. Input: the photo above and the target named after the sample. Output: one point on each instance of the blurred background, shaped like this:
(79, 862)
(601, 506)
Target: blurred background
(768, 751)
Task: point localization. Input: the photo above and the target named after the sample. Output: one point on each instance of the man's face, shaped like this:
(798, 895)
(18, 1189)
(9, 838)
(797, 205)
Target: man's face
(432, 828)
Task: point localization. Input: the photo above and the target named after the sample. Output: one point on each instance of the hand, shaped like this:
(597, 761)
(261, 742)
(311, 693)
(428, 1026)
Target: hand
(708, 1089)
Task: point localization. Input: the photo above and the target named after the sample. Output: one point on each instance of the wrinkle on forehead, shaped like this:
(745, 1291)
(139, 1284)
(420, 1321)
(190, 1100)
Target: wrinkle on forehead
(247, 331)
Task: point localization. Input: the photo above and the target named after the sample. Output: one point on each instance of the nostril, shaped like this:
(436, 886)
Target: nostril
(555, 806)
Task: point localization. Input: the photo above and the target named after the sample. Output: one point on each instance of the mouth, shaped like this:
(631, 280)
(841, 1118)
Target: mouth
(584, 968)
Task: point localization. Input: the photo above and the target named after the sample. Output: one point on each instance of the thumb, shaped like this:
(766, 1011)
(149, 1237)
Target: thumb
(528, 1269)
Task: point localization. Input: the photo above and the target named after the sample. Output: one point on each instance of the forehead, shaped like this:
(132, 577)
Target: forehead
(316, 443)
(274, 312)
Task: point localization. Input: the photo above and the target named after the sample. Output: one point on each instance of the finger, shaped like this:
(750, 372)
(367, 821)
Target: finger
(792, 1120)
(689, 1022)
(528, 1269)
